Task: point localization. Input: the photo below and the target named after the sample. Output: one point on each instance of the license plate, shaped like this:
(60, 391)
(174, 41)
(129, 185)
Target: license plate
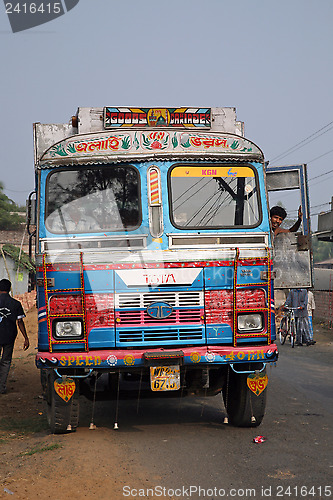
(165, 378)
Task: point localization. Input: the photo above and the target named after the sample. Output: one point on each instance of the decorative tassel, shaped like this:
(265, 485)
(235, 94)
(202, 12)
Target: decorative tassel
(69, 427)
(115, 426)
(253, 419)
(225, 421)
(92, 426)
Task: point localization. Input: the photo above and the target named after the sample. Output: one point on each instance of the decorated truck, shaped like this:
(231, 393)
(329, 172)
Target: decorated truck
(154, 259)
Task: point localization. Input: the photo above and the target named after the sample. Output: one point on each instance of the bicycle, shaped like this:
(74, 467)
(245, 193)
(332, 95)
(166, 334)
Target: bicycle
(287, 326)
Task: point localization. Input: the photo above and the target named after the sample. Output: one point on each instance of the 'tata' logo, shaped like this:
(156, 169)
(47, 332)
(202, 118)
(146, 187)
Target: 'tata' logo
(159, 310)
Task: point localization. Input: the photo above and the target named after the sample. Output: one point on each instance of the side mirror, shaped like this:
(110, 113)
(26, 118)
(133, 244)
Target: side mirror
(31, 219)
(31, 212)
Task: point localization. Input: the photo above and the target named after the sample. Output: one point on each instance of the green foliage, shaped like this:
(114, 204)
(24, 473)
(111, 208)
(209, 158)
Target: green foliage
(41, 449)
(20, 260)
(322, 250)
(8, 220)
(23, 426)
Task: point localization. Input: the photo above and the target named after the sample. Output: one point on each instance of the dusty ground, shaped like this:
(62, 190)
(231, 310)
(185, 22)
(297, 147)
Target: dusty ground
(86, 463)
(37, 464)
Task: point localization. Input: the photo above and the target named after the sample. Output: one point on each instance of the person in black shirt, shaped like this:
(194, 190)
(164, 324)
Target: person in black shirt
(11, 316)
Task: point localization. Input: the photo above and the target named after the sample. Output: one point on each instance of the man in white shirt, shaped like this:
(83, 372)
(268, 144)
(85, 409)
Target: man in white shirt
(73, 220)
(311, 308)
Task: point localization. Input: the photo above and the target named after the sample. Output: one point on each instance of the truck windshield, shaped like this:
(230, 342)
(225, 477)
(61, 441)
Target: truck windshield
(214, 196)
(93, 199)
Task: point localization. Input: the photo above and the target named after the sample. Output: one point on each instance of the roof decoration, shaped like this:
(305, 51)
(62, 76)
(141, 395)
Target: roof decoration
(123, 146)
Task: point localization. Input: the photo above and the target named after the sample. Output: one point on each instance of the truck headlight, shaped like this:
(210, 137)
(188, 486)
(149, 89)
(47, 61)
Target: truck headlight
(250, 322)
(68, 329)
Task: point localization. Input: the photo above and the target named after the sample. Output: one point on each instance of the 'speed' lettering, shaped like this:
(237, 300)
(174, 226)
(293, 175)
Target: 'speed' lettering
(80, 361)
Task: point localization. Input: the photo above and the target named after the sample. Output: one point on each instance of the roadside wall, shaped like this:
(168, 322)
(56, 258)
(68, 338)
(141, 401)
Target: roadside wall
(15, 238)
(323, 294)
(324, 305)
(28, 300)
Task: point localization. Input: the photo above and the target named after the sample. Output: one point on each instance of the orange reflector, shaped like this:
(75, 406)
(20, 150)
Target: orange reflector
(154, 186)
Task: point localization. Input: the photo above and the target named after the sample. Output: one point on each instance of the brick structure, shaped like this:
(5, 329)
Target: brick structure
(324, 305)
(15, 238)
(28, 300)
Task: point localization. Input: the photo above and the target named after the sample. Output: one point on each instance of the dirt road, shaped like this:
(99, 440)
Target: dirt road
(174, 443)
(37, 464)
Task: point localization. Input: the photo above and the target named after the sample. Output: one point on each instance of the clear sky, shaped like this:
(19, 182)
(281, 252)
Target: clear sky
(272, 60)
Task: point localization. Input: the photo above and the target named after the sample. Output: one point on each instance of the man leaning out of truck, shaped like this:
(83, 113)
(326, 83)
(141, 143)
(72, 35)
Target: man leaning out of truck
(278, 214)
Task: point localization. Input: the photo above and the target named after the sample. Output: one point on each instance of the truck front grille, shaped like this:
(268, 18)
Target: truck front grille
(156, 336)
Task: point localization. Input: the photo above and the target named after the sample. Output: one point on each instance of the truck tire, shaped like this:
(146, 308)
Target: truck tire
(62, 416)
(244, 408)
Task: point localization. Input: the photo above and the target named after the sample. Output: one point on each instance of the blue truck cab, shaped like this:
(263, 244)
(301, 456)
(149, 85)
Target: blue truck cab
(154, 259)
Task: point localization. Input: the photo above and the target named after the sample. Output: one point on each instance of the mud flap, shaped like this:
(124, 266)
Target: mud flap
(245, 398)
(62, 404)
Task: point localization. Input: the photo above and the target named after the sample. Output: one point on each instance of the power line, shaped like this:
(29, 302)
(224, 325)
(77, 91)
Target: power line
(294, 212)
(317, 213)
(324, 154)
(320, 181)
(322, 204)
(300, 144)
(321, 175)
(292, 192)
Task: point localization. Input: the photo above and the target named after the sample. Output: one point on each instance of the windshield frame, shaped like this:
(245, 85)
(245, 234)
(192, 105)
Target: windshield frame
(207, 166)
(93, 167)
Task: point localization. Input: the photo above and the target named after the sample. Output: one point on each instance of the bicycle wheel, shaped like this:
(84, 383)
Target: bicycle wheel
(292, 333)
(283, 330)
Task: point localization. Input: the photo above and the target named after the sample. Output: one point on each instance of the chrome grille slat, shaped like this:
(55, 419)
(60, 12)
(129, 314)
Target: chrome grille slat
(158, 336)
(141, 317)
(143, 300)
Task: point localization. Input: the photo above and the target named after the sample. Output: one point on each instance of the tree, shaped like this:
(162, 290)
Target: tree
(322, 250)
(8, 219)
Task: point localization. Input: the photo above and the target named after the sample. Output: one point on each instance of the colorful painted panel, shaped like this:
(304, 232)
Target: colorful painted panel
(99, 308)
(212, 172)
(140, 142)
(192, 355)
(219, 304)
(157, 117)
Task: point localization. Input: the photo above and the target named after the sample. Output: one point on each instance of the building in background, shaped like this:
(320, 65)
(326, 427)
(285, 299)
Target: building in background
(323, 290)
(15, 265)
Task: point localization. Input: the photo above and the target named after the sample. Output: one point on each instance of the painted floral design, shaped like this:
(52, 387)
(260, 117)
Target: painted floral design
(155, 140)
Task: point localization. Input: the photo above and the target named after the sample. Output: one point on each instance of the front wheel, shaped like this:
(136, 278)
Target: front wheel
(62, 416)
(244, 408)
